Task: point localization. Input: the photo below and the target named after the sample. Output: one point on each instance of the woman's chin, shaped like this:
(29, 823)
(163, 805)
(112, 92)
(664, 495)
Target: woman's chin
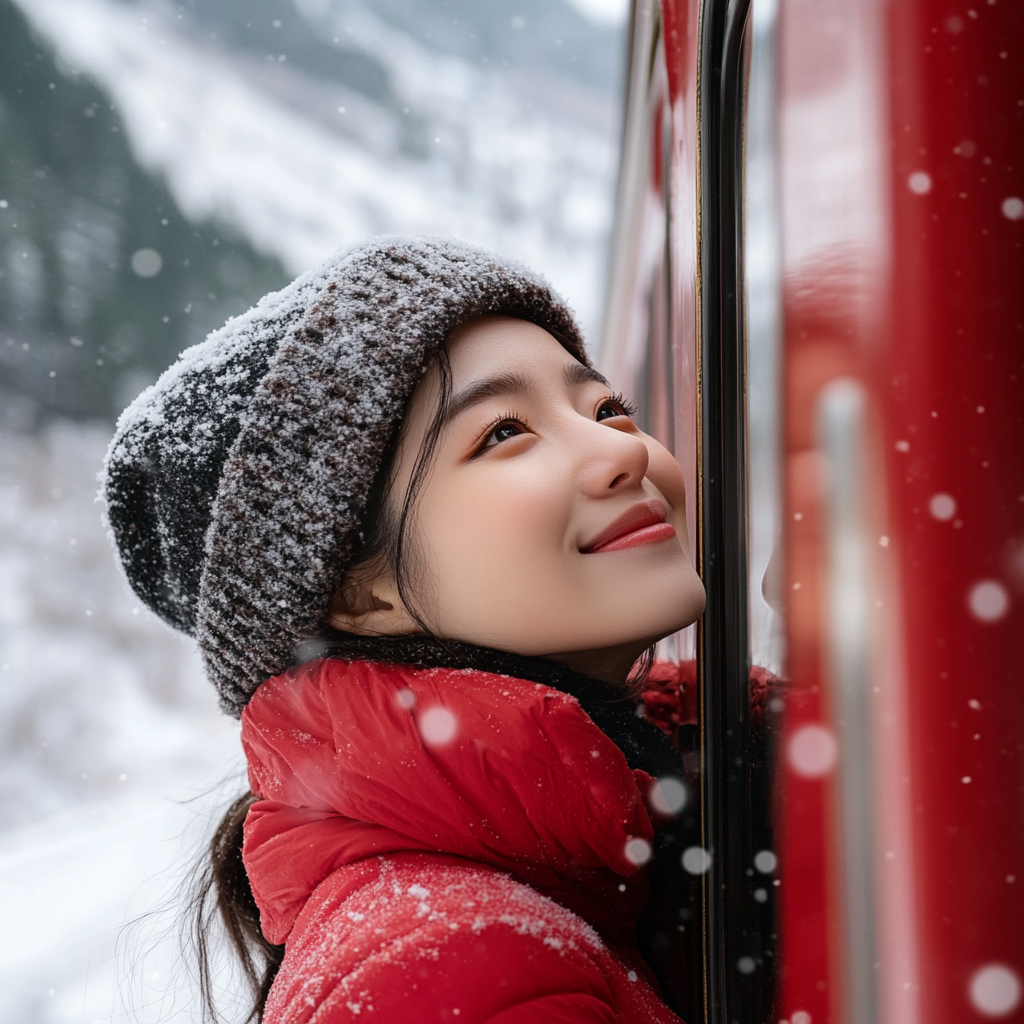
(667, 606)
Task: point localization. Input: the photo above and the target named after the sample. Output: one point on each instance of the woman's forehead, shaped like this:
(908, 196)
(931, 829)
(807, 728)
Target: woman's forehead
(490, 344)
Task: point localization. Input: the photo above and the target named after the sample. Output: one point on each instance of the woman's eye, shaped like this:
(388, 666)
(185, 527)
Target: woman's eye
(611, 408)
(503, 432)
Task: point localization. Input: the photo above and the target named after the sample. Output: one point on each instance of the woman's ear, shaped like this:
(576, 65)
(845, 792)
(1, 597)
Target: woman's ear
(369, 607)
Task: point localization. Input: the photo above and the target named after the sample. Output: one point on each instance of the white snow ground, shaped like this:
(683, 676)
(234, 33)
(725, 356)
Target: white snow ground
(68, 886)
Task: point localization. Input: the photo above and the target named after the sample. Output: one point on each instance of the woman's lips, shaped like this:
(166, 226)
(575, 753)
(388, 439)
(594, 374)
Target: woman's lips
(642, 524)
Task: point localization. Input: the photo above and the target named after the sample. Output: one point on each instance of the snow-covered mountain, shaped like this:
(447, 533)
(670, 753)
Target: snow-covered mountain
(304, 126)
(302, 164)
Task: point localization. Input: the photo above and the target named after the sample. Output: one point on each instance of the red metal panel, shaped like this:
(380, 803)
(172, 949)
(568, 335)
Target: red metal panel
(835, 253)
(902, 166)
(954, 395)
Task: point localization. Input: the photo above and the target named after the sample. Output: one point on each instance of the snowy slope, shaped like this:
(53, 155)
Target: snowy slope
(106, 726)
(301, 166)
(97, 696)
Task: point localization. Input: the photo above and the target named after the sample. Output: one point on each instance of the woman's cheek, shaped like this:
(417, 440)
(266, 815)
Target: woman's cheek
(492, 566)
(494, 530)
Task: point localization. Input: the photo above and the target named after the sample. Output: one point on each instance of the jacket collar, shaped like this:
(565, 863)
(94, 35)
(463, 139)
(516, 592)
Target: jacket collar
(612, 708)
(355, 759)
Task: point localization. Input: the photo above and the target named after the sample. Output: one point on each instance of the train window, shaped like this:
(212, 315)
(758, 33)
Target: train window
(649, 349)
(676, 336)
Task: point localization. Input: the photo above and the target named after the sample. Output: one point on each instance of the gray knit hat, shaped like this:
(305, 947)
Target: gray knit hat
(235, 485)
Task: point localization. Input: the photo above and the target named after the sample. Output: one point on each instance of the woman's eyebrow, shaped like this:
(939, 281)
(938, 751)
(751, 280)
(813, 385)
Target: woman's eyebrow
(502, 384)
(489, 387)
(576, 374)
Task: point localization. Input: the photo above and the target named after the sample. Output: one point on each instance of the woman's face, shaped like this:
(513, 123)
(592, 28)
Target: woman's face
(549, 524)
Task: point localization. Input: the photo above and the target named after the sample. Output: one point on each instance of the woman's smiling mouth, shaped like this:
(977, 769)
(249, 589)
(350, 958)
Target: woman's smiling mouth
(644, 523)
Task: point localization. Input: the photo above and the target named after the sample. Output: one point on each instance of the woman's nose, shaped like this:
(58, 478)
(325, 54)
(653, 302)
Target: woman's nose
(611, 460)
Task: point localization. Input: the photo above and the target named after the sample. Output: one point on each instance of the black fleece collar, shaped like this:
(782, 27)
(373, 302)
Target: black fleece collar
(614, 710)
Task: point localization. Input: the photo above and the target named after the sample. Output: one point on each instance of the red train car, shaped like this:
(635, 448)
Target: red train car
(817, 296)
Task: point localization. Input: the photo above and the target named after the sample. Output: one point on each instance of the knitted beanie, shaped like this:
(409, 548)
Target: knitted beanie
(235, 485)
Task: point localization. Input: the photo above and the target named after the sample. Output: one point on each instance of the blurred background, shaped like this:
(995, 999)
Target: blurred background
(162, 166)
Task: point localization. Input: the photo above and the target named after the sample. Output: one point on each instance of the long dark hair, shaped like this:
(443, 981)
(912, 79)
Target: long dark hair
(220, 886)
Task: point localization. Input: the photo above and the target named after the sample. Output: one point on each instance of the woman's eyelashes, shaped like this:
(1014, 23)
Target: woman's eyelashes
(511, 424)
(504, 428)
(617, 405)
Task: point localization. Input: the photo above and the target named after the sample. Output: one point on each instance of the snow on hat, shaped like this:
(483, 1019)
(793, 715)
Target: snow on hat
(235, 485)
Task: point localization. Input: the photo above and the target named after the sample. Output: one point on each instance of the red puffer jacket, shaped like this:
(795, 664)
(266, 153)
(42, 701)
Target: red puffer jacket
(442, 845)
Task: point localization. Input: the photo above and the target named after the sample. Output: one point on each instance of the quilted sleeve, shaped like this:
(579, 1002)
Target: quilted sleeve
(414, 938)
(498, 976)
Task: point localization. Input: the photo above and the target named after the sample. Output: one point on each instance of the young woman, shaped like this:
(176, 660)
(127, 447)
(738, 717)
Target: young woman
(424, 550)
